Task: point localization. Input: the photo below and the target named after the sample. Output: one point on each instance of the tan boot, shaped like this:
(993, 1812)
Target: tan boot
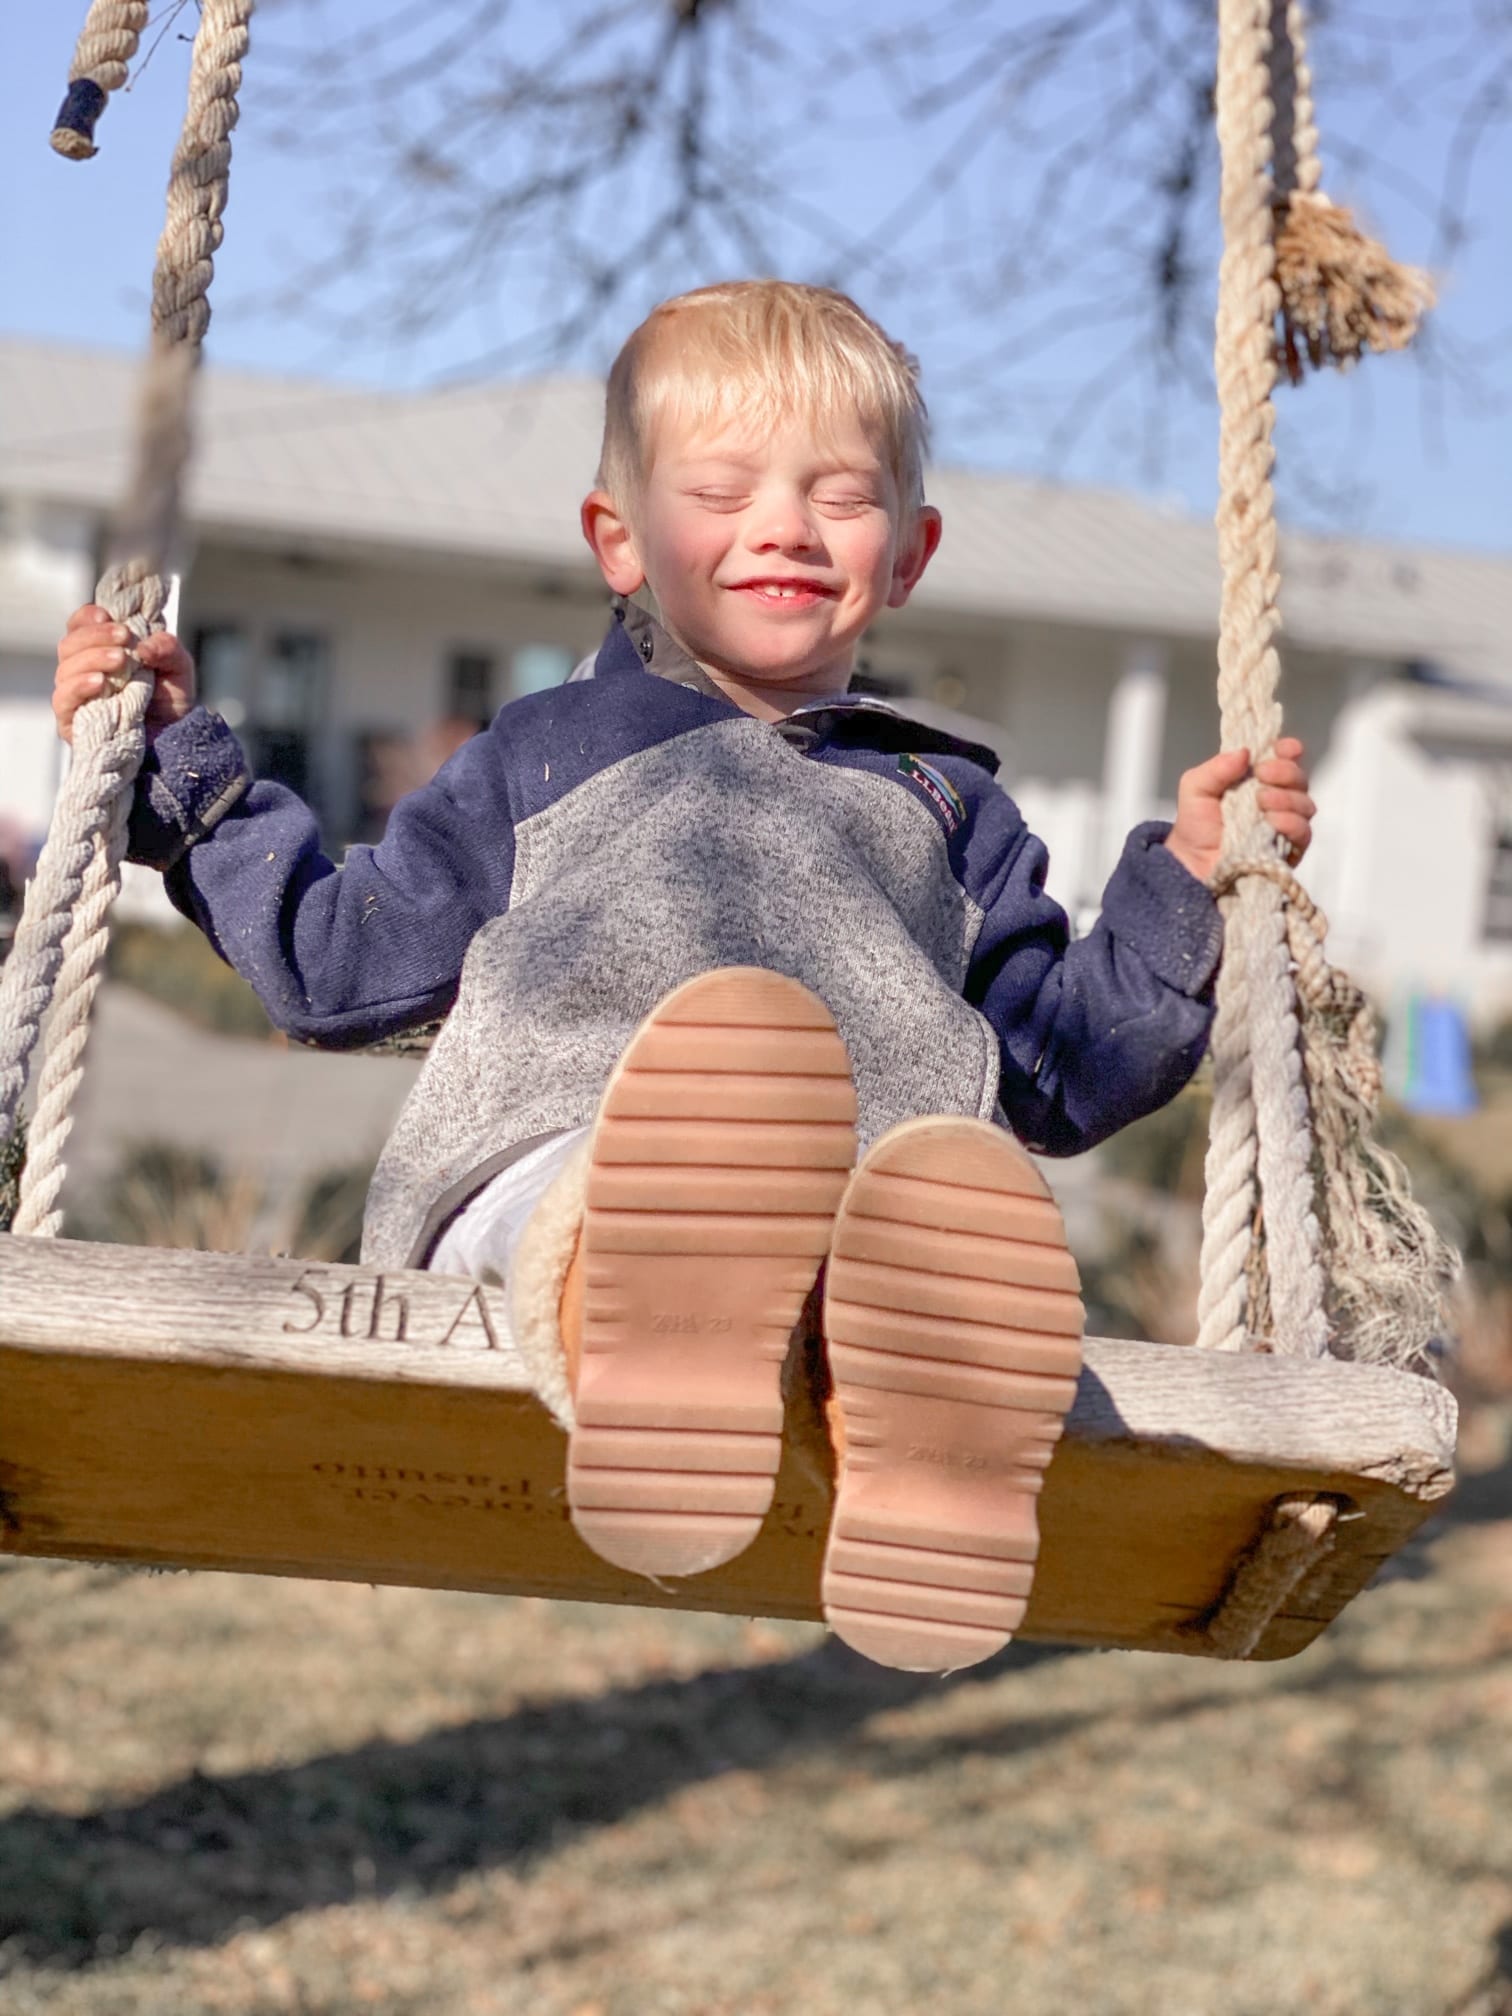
(953, 1324)
(655, 1302)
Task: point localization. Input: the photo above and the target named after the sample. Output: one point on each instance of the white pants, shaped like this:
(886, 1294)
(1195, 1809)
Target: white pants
(485, 1235)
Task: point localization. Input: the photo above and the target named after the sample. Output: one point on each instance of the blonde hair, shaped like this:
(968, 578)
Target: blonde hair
(762, 350)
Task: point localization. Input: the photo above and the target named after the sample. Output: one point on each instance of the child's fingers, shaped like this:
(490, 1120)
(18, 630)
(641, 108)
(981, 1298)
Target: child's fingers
(1295, 831)
(1286, 764)
(104, 659)
(91, 672)
(73, 691)
(165, 655)
(88, 616)
(1291, 814)
(92, 637)
(1219, 774)
(1290, 802)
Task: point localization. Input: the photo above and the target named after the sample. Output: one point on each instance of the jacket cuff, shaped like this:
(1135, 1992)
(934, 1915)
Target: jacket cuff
(1161, 911)
(193, 773)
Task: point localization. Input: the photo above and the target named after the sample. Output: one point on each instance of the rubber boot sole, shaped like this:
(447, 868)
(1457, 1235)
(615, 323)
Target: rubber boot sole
(723, 1146)
(953, 1320)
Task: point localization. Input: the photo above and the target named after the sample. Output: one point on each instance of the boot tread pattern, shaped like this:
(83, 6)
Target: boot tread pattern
(953, 1319)
(723, 1145)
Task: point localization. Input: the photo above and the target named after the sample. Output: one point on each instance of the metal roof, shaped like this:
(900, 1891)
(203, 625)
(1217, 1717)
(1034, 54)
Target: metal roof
(498, 471)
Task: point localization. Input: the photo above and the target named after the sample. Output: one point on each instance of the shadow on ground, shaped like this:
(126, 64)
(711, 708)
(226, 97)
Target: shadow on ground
(1492, 1996)
(1479, 1499)
(203, 1857)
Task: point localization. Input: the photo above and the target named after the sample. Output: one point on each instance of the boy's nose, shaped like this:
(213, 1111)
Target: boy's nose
(786, 528)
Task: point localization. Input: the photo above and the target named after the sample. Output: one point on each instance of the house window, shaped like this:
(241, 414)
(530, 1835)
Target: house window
(223, 661)
(1496, 928)
(470, 687)
(286, 708)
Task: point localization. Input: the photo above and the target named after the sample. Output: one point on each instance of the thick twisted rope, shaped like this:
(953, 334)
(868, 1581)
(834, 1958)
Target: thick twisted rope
(102, 58)
(59, 949)
(1294, 1095)
(1260, 1122)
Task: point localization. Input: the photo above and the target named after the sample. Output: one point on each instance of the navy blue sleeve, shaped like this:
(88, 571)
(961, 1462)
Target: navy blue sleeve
(1095, 1032)
(339, 955)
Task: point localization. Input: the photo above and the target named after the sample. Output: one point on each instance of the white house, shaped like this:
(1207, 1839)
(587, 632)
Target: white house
(366, 571)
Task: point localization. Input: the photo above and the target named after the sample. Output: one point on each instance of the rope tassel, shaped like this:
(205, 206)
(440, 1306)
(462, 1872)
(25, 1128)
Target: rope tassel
(1342, 293)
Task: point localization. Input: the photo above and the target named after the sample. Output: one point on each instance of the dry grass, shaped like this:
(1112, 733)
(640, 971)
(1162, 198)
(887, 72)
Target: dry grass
(265, 1799)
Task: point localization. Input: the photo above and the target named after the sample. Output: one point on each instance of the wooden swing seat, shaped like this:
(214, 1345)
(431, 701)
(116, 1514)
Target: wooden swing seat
(284, 1418)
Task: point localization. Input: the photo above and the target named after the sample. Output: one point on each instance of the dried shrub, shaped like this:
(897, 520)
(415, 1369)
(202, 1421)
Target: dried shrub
(164, 1195)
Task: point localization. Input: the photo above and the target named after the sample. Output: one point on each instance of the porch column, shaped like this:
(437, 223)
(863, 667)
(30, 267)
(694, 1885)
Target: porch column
(1134, 738)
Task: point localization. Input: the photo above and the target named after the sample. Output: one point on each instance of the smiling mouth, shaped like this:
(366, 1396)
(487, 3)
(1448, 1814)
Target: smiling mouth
(786, 591)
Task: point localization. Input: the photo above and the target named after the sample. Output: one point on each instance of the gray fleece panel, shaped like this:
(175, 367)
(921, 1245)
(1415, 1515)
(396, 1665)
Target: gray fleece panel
(722, 847)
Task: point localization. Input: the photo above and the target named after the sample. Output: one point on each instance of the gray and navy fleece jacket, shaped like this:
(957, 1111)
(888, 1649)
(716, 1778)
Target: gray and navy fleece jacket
(603, 842)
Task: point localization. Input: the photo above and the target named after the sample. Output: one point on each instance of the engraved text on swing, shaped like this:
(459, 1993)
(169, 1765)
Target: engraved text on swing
(371, 1310)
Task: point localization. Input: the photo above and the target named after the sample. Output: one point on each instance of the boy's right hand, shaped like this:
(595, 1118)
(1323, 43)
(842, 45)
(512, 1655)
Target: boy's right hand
(91, 654)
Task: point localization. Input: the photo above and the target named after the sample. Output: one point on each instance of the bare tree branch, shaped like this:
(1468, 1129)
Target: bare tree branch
(1051, 176)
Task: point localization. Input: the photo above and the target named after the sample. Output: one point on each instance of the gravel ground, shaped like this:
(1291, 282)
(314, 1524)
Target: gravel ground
(226, 1795)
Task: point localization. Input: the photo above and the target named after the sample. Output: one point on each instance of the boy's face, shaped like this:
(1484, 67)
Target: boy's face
(769, 553)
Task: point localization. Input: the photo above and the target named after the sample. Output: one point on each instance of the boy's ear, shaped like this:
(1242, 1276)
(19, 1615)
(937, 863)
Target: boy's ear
(915, 551)
(613, 543)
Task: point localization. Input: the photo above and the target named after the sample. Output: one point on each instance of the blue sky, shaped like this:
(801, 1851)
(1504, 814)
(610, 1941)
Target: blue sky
(1393, 452)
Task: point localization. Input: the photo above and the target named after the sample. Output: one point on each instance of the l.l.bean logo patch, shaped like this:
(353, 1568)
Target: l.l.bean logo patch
(938, 789)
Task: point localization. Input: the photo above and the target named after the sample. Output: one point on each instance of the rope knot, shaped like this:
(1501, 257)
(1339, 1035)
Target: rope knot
(1229, 873)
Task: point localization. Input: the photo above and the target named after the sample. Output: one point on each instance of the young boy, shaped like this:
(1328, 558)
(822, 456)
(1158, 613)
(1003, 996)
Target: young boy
(700, 920)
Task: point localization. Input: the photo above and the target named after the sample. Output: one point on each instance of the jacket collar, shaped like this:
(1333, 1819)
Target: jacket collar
(660, 654)
(637, 641)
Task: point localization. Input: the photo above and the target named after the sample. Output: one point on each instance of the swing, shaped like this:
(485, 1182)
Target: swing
(280, 1417)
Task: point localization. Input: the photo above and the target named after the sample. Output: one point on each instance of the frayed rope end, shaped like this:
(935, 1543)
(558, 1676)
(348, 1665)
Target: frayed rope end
(1342, 293)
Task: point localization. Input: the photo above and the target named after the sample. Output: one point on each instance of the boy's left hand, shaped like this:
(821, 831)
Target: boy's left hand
(1196, 839)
